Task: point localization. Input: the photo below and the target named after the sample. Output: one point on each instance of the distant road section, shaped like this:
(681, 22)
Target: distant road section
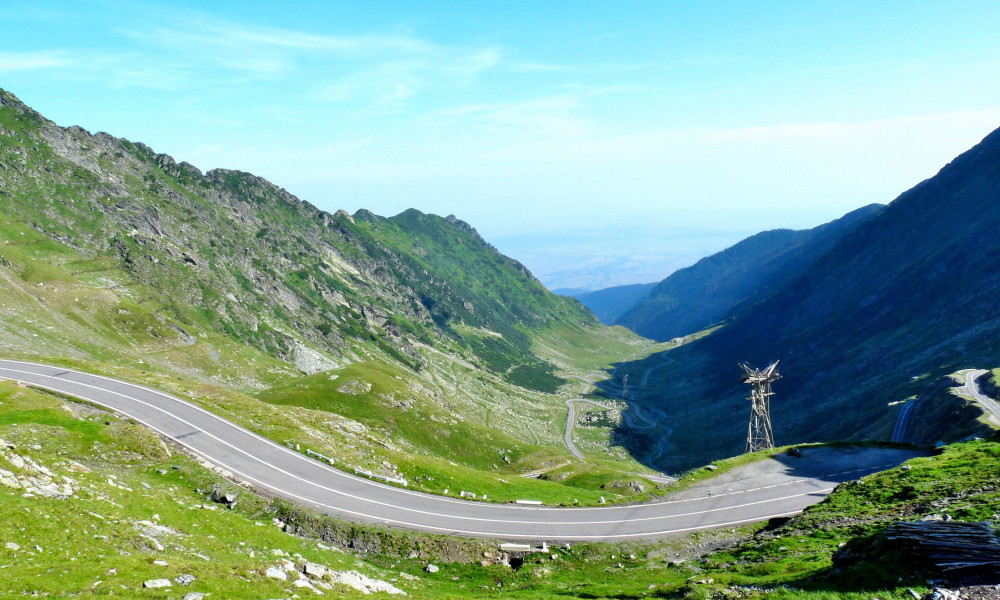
(902, 422)
(971, 389)
(571, 421)
(792, 484)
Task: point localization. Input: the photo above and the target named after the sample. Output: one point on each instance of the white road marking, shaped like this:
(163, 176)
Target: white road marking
(312, 464)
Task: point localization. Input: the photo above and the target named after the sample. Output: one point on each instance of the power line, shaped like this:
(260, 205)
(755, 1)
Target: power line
(759, 434)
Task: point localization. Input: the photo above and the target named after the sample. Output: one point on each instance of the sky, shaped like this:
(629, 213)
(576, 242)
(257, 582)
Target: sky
(600, 143)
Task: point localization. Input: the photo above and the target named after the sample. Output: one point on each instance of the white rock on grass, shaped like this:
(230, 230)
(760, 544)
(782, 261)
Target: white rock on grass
(194, 596)
(304, 583)
(34, 478)
(157, 583)
(363, 583)
(314, 570)
(276, 573)
(12, 546)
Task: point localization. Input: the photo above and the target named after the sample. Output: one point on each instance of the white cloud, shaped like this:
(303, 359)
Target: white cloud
(26, 61)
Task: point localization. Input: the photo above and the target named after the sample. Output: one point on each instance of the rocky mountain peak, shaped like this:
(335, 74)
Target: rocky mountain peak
(462, 225)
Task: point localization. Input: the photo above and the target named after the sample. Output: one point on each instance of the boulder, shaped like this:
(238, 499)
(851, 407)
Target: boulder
(365, 584)
(314, 570)
(276, 573)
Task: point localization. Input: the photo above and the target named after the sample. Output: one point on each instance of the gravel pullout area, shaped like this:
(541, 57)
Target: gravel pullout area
(819, 462)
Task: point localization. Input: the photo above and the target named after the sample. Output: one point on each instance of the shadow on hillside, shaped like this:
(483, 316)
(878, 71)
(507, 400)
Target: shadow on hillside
(647, 430)
(685, 407)
(872, 566)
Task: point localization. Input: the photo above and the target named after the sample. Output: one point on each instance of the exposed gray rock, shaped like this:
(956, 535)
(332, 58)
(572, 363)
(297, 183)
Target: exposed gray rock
(157, 583)
(315, 570)
(32, 477)
(276, 573)
(432, 568)
(365, 584)
(355, 387)
(343, 213)
(310, 361)
(223, 497)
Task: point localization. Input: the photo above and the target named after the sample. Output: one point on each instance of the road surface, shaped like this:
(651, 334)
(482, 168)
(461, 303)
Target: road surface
(902, 421)
(571, 421)
(268, 466)
(971, 389)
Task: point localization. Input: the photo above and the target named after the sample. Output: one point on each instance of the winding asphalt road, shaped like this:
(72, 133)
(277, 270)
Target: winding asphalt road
(291, 475)
(571, 421)
(903, 421)
(971, 389)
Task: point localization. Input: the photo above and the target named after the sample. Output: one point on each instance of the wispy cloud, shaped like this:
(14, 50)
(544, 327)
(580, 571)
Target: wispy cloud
(112, 69)
(554, 117)
(382, 69)
(26, 61)
(204, 32)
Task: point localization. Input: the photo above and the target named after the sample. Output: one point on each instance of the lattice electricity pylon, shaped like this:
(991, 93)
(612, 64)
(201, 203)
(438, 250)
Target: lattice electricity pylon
(759, 434)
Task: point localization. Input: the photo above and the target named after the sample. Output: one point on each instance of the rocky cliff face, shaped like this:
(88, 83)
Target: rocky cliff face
(230, 252)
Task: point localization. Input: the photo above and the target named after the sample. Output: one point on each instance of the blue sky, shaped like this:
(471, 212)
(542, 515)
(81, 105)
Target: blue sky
(599, 142)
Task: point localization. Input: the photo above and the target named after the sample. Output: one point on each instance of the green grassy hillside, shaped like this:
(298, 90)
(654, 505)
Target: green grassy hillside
(231, 292)
(95, 506)
(230, 252)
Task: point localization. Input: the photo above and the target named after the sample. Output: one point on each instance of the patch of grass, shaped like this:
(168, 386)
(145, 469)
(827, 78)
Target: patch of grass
(82, 538)
(103, 540)
(438, 449)
(797, 559)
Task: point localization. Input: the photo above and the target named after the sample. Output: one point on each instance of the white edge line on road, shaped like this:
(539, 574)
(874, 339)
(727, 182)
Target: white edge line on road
(377, 518)
(337, 472)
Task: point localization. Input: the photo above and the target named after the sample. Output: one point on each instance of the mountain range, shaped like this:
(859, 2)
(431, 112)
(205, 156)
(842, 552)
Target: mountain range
(403, 346)
(863, 313)
(115, 256)
(712, 289)
(609, 304)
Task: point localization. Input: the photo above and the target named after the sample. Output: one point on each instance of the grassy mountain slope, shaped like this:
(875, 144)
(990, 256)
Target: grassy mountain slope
(903, 299)
(712, 289)
(229, 251)
(222, 286)
(134, 510)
